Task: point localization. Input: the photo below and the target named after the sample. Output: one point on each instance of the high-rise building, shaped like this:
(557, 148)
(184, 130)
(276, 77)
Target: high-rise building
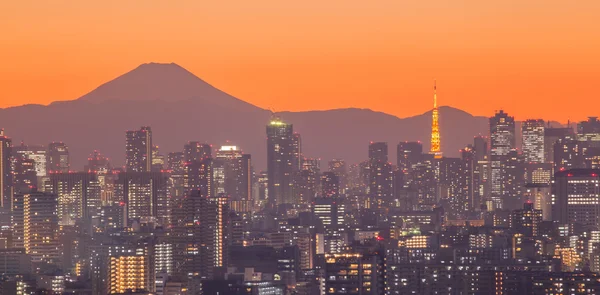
(502, 135)
(480, 147)
(282, 150)
(198, 175)
(409, 154)
(569, 153)
(138, 150)
(576, 197)
(97, 163)
(533, 141)
(58, 158)
(128, 273)
(34, 152)
(589, 132)
(435, 128)
(526, 221)
(78, 194)
(551, 135)
(306, 183)
(145, 196)
(380, 173)
(35, 226)
(6, 188)
(24, 175)
(195, 151)
(200, 234)
(338, 166)
(513, 180)
(330, 185)
(330, 211)
(232, 176)
(175, 162)
(158, 159)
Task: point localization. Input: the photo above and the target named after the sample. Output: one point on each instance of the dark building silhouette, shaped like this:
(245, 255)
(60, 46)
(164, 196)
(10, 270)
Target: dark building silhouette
(58, 158)
(138, 150)
(6, 181)
(282, 161)
(196, 151)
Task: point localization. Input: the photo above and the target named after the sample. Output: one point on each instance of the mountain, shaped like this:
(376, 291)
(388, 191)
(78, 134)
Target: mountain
(181, 107)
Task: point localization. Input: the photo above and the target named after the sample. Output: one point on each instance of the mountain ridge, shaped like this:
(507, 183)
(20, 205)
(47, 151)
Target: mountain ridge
(181, 107)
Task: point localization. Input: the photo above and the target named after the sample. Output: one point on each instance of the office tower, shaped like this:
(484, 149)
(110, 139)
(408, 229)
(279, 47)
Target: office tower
(502, 135)
(526, 221)
(541, 197)
(196, 151)
(97, 163)
(175, 162)
(471, 177)
(338, 166)
(78, 194)
(538, 173)
(128, 272)
(232, 176)
(533, 140)
(6, 188)
(24, 175)
(35, 226)
(281, 161)
(330, 185)
(57, 158)
(589, 132)
(198, 175)
(380, 173)
(34, 152)
(297, 151)
(330, 211)
(452, 179)
(424, 183)
(158, 159)
(200, 234)
(576, 197)
(513, 180)
(354, 273)
(145, 196)
(138, 150)
(175, 166)
(569, 153)
(409, 154)
(480, 148)
(551, 135)
(435, 128)
(306, 183)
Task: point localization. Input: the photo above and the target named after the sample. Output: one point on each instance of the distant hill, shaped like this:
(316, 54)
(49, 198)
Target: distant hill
(181, 107)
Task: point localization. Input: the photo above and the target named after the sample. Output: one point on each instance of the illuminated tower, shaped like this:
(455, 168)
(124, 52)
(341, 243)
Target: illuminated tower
(435, 129)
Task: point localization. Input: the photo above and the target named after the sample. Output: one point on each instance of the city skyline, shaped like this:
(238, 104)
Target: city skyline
(361, 56)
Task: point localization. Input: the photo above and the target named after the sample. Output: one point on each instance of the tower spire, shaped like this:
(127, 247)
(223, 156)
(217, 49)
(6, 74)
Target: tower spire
(435, 129)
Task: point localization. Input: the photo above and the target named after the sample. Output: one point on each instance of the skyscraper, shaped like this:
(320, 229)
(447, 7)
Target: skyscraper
(281, 161)
(380, 173)
(330, 185)
(35, 224)
(145, 196)
(533, 141)
(138, 150)
(576, 197)
(78, 196)
(232, 176)
(196, 151)
(589, 131)
(198, 176)
(58, 158)
(6, 189)
(502, 135)
(409, 154)
(338, 166)
(435, 128)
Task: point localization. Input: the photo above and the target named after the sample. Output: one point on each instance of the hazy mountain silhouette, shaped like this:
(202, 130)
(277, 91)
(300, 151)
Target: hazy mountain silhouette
(181, 107)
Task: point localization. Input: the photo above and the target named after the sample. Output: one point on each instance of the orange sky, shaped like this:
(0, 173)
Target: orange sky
(532, 58)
